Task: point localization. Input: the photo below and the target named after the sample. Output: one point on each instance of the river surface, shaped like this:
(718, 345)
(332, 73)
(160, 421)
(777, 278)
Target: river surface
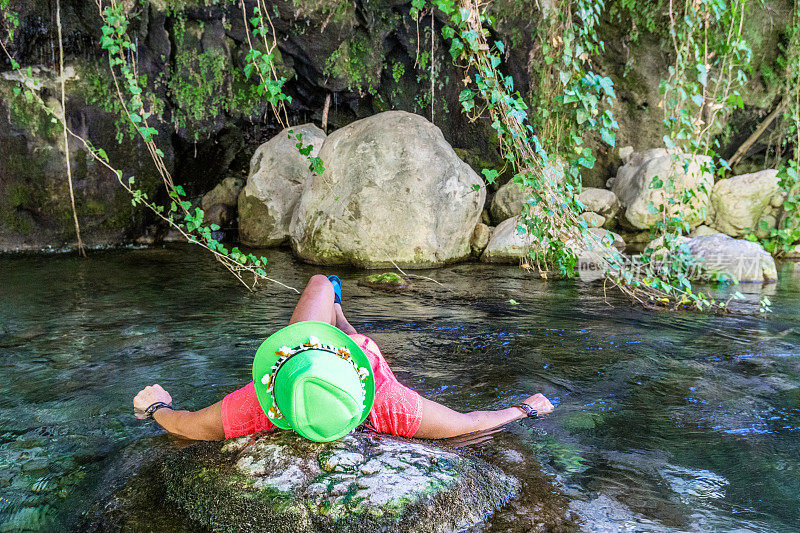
(664, 421)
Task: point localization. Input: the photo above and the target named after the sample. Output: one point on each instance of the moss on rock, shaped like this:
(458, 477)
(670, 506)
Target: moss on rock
(363, 482)
(387, 281)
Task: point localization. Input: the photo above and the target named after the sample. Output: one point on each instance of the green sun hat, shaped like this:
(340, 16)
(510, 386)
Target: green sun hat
(313, 378)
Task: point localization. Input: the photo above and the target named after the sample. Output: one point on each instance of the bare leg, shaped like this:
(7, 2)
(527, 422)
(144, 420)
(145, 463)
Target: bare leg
(316, 302)
(341, 321)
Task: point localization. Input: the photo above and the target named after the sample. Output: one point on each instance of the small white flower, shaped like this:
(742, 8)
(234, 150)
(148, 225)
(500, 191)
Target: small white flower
(265, 379)
(313, 340)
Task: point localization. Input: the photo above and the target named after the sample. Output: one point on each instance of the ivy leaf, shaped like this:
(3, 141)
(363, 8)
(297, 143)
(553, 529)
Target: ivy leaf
(608, 86)
(489, 174)
(702, 74)
(607, 136)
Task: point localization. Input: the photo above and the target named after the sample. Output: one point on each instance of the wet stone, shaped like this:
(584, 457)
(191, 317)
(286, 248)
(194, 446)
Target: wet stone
(388, 281)
(363, 482)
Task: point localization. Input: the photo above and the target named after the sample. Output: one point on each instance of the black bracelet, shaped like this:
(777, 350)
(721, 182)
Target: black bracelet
(529, 411)
(150, 411)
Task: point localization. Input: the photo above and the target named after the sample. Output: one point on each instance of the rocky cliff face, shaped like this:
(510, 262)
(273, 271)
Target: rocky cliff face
(366, 56)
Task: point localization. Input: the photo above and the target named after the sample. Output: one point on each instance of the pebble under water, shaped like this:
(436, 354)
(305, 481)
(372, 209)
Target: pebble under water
(664, 421)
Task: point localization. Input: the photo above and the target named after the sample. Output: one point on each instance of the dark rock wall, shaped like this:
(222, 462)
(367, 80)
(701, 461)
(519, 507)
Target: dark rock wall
(368, 55)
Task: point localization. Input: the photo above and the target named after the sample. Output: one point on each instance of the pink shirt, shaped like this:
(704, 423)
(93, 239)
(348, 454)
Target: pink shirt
(397, 409)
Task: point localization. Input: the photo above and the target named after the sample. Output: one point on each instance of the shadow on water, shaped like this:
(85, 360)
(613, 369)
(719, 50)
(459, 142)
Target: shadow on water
(664, 421)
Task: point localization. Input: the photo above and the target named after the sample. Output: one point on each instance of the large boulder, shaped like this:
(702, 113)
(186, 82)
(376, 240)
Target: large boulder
(393, 191)
(225, 192)
(278, 172)
(219, 204)
(596, 252)
(508, 200)
(363, 482)
(511, 243)
(744, 260)
(601, 201)
(739, 202)
(678, 172)
(508, 244)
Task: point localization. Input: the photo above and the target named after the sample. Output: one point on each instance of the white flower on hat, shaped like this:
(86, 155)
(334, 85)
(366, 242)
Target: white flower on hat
(313, 341)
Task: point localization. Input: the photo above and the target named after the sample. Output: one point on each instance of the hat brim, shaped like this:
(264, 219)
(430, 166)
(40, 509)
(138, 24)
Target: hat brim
(294, 335)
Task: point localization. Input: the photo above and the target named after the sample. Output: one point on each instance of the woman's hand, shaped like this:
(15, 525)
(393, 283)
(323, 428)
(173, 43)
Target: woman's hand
(148, 396)
(540, 403)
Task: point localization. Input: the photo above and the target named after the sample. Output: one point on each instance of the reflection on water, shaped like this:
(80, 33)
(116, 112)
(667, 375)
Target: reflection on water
(664, 421)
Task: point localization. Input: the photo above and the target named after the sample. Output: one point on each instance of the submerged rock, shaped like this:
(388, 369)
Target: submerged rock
(393, 190)
(363, 482)
(388, 281)
(739, 202)
(634, 186)
(278, 172)
(744, 260)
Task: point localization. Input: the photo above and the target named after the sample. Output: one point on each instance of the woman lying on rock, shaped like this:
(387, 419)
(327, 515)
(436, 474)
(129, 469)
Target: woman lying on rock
(321, 378)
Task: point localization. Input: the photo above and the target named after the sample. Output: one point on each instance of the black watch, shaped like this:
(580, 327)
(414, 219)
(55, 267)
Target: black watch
(155, 407)
(529, 411)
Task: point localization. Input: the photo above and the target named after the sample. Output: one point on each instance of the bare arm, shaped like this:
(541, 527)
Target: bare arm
(205, 424)
(440, 422)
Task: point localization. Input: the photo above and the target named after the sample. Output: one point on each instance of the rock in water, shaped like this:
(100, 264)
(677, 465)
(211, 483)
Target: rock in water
(388, 281)
(739, 202)
(507, 202)
(508, 243)
(225, 193)
(678, 173)
(278, 172)
(219, 203)
(593, 220)
(480, 238)
(363, 482)
(392, 190)
(744, 260)
(601, 201)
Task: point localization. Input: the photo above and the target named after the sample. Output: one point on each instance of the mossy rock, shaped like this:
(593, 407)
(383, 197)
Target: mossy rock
(387, 281)
(363, 482)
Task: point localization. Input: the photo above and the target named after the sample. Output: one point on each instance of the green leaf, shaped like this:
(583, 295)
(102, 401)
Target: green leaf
(607, 136)
(489, 174)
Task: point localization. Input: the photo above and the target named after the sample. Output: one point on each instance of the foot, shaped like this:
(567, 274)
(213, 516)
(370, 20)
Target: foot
(337, 288)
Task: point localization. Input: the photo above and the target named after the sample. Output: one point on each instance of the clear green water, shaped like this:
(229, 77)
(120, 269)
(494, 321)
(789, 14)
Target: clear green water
(664, 421)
